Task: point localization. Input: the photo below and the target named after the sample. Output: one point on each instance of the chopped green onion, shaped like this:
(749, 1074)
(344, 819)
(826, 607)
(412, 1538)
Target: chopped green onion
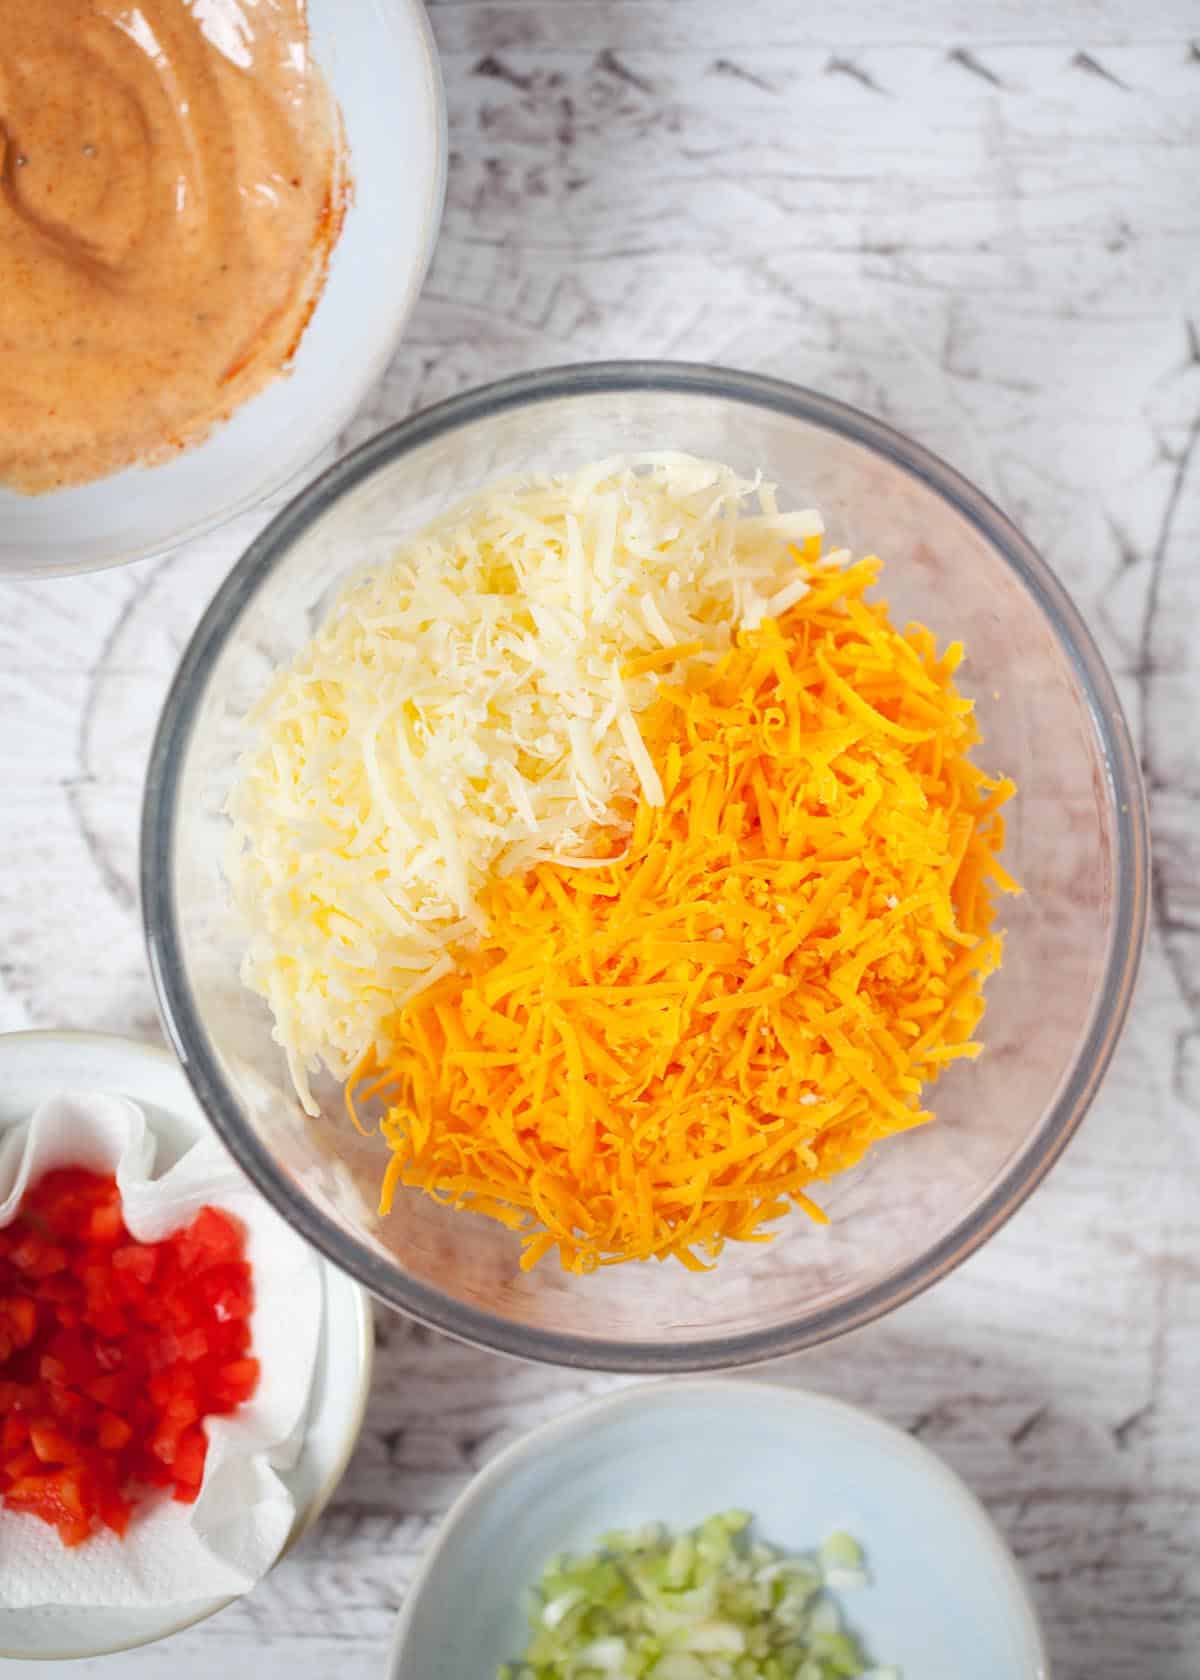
(706, 1605)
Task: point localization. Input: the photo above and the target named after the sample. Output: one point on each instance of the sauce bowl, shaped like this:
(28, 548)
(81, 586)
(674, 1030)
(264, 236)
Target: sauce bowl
(379, 60)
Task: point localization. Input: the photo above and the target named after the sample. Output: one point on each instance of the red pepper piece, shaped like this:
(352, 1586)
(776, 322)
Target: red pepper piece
(112, 1352)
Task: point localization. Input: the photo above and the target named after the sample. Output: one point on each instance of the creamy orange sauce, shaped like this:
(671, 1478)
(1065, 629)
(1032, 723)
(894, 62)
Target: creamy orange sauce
(169, 192)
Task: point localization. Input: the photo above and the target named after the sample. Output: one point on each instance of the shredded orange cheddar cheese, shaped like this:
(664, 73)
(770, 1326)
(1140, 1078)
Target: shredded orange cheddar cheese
(650, 1058)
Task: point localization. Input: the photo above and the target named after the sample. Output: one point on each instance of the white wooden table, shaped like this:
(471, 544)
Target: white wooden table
(984, 224)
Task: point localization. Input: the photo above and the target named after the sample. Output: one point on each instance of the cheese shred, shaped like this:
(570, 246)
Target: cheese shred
(665, 1052)
(471, 707)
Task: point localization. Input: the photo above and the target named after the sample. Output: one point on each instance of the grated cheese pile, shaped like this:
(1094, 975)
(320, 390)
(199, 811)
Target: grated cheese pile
(651, 1057)
(470, 709)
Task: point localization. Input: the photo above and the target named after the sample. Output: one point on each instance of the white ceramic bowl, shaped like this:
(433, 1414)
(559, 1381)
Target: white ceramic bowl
(379, 59)
(946, 1601)
(34, 1065)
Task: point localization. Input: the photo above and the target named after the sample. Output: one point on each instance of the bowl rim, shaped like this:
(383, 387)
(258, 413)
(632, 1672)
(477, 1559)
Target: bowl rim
(1126, 799)
(292, 476)
(139, 1059)
(548, 1436)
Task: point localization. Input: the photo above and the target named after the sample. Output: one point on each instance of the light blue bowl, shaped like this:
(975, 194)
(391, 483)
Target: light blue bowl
(946, 1601)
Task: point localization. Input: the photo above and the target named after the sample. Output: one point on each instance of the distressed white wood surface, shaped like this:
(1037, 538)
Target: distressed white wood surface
(984, 224)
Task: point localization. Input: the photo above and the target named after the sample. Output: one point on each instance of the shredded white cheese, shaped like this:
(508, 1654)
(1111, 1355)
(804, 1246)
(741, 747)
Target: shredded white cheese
(464, 710)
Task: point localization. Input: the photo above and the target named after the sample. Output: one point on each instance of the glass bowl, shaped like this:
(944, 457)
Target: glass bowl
(921, 1202)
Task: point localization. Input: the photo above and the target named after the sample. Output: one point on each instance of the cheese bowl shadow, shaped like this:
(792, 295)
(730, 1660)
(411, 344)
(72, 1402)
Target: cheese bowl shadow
(921, 1202)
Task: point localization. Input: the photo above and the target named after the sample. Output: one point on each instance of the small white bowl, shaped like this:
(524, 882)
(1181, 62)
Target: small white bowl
(946, 1601)
(33, 1066)
(379, 59)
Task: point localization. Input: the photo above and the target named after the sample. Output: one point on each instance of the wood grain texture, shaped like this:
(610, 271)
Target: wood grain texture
(982, 223)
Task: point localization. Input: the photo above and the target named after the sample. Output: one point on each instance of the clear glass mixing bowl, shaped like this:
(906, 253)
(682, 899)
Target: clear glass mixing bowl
(923, 1201)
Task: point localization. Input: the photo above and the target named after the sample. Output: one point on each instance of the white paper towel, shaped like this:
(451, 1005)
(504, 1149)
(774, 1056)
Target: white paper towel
(228, 1539)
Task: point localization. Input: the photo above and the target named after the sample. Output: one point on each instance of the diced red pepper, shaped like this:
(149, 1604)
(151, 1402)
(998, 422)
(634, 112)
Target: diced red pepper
(112, 1352)
(138, 1259)
(106, 1224)
(37, 1258)
(19, 1316)
(238, 1379)
(115, 1513)
(212, 1239)
(14, 1435)
(224, 1289)
(113, 1432)
(52, 1446)
(61, 1289)
(165, 1441)
(190, 1454)
(193, 1346)
(68, 1405)
(22, 1464)
(112, 1391)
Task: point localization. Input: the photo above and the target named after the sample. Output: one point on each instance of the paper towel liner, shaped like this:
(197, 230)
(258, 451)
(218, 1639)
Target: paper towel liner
(227, 1540)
